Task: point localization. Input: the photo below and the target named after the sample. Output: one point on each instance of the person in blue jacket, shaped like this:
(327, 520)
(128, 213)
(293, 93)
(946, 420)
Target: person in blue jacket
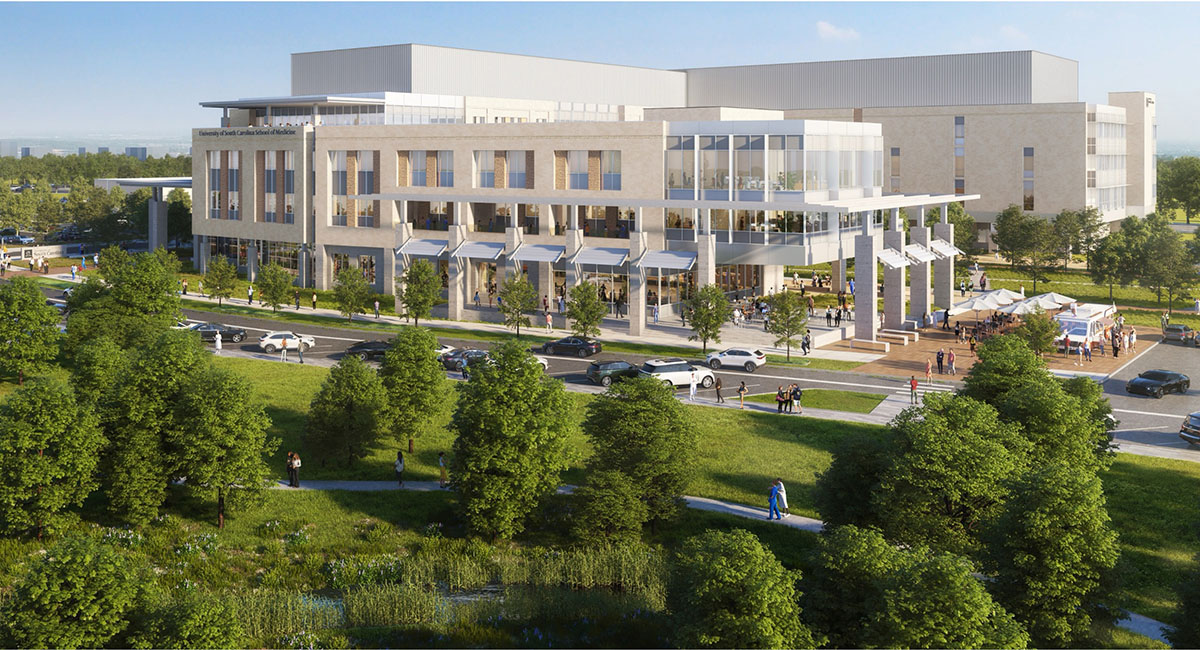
(773, 502)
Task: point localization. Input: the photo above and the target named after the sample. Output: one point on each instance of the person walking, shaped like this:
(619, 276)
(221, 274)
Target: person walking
(928, 372)
(804, 343)
(783, 506)
(779, 400)
(314, 301)
(443, 481)
(950, 359)
(692, 386)
(295, 295)
(549, 321)
(291, 469)
(797, 393)
(250, 295)
(283, 350)
(828, 317)
(1133, 339)
(773, 502)
(72, 273)
(972, 341)
(300, 351)
(294, 474)
(476, 299)
(399, 467)
(941, 359)
(217, 343)
(654, 312)
(741, 391)
(912, 389)
(718, 385)
(1087, 352)
(376, 310)
(562, 304)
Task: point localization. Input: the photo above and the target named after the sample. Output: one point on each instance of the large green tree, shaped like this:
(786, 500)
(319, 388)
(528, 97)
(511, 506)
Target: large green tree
(1106, 261)
(637, 427)
(274, 285)
(517, 299)
(842, 493)
(964, 230)
(221, 440)
(136, 301)
(585, 310)
(350, 292)
(708, 310)
(512, 423)
(28, 328)
(1168, 264)
(1179, 187)
(788, 319)
(179, 216)
(220, 279)
(1014, 234)
(729, 591)
(609, 508)
(419, 289)
(348, 413)
(1038, 331)
(415, 382)
(49, 447)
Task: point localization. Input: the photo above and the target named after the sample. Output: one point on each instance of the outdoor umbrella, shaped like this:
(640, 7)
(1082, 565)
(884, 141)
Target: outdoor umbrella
(1043, 302)
(976, 304)
(1056, 297)
(1019, 308)
(1005, 296)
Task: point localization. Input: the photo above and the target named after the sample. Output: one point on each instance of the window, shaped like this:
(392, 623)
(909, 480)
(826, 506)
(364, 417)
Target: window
(338, 186)
(515, 161)
(681, 166)
(416, 162)
(1091, 146)
(960, 186)
(786, 154)
(1091, 178)
(714, 162)
(214, 185)
(289, 186)
(1027, 175)
(366, 172)
(445, 168)
(577, 170)
(485, 162)
(270, 186)
(749, 158)
(895, 169)
(235, 184)
(610, 166)
(960, 154)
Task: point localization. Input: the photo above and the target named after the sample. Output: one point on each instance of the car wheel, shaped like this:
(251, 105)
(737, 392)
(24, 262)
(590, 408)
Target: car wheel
(237, 338)
(606, 381)
(1158, 394)
(363, 356)
(669, 384)
(547, 349)
(1185, 387)
(582, 353)
(750, 367)
(304, 347)
(270, 349)
(715, 364)
(707, 382)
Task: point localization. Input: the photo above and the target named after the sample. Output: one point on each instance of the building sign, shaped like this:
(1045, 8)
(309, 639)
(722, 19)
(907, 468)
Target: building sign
(247, 131)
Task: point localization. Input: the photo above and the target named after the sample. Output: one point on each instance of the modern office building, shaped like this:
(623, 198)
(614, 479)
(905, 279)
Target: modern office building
(651, 182)
(136, 152)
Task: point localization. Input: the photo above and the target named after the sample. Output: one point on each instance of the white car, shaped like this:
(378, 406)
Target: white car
(274, 341)
(545, 363)
(746, 358)
(443, 350)
(677, 372)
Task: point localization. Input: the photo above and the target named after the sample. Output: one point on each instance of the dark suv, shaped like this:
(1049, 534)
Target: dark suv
(605, 372)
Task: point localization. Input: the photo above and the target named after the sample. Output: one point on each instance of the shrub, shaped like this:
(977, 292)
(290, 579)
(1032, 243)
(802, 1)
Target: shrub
(194, 621)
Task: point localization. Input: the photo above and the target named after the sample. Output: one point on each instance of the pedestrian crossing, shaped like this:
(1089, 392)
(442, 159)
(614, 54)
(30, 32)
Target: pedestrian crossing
(925, 388)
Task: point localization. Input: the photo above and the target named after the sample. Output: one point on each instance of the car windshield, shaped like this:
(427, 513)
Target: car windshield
(759, 353)
(1077, 330)
(649, 367)
(1155, 375)
(1194, 419)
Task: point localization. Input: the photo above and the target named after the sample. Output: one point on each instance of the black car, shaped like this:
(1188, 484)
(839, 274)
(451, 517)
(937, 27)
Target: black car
(458, 359)
(208, 332)
(1189, 431)
(1157, 383)
(605, 372)
(367, 350)
(573, 346)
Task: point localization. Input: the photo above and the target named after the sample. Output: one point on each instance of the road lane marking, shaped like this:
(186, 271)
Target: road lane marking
(1113, 374)
(1160, 415)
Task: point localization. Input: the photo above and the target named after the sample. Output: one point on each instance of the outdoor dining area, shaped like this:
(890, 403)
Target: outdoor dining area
(1005, 309)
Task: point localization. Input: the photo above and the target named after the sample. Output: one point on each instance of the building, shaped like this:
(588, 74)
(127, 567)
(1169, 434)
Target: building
(651, 182)
(136, 152)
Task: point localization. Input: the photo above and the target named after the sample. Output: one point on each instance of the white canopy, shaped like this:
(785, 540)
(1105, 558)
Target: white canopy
(1022, 308)
(539, 253)
(601, 256)
(944, 248)
(1005, 296)
(919, 253)
(892, 258)
(424, 247)
(978, 303)
(480, 250)
(1056, 297)
(675, 260)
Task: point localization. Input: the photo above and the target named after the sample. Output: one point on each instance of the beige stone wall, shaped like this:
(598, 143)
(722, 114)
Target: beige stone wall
(500, 162)
(402, 178)
(560, 170)
(595, 181)
(529, 175)
(431, 168)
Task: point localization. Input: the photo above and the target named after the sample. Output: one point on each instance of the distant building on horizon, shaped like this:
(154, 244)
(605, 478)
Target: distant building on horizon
(136, 152)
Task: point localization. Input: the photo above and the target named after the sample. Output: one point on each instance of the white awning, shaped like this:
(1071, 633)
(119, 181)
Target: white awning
(602, 256)
(944, 248)
(424, 247)
(539, 253)
(674, 260)
(479, 250)
(919, 253)
(892, 258)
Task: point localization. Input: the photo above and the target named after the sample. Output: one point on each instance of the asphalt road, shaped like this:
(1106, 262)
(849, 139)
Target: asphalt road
(1150, 421)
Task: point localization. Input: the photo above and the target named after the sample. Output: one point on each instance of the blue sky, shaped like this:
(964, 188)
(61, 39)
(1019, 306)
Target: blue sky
(141, 68)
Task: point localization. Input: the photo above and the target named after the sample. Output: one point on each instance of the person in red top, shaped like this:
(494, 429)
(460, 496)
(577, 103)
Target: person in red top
(912, 384)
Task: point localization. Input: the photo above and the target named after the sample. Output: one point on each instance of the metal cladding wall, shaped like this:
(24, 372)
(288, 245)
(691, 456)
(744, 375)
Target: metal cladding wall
(357, 70)
(946, 80)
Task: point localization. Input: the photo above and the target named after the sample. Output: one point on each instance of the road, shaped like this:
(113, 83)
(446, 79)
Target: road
(1154, 423)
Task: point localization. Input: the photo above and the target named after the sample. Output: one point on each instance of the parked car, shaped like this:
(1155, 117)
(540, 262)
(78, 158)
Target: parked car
(443, 349)
(369, 350)
(1189, 431)
(23, 240)
(677, 372)
(458, 359)
(572, 345)
(208, 332)
(606, 372)
(745, 358)
(274, 341)
(1178, 332)
(543, 362)
(1157, 383)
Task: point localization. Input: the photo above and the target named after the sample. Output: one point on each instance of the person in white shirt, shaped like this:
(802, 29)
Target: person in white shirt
(692, 386)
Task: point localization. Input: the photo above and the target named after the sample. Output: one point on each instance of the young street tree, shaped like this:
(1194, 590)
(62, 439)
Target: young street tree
(274, 284)
(512, 424)
(729, 591)
(1038, 331)
(221, 279)
(709, 309)
(788, 319)
(348, 414)
(1042, 253)
(135, 303)
(585, 311)
(221, 440)
(1014, 234)
(350, 292)
(49, 447)
(638, 428)
(1106, 261)
(419, 289)
(610, 508)
(415, 382)
(517, 298)
(28, 328)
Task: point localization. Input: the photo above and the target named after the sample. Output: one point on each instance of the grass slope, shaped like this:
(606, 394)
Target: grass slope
(833, 400)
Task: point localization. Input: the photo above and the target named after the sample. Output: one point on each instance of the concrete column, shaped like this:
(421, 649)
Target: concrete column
(458, 268)
(893, 279)
(156, 237)
(920, 297)
(401, 233)
(706, 260)
(200, 253)
(866, 315)
(320, 266)
(251, 260)
(544, 275)
(943, 269)
(772, 279)
(838, 272)
(637, 280)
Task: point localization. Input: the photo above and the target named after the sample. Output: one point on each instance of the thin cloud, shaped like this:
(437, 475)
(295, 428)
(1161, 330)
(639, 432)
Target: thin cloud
(830, 32)
(1011, 33)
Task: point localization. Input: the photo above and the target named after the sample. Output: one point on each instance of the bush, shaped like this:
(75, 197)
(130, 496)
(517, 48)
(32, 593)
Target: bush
(193, 621)
(610, 508)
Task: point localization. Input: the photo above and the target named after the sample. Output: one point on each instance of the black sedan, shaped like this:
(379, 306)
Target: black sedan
(573, 346)
(368, 350)
(1157, 383)
(458, 359)
(208, 332)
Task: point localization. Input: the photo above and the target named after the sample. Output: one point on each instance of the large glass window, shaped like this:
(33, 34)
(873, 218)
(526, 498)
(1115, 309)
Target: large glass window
(786, 156)
(289, 187)
(894, 164)
(714, 162)
(366, 172)
(416, 163)
(610, 167)
(284, 254)
(270, 187)
(960, 154)
(749, 158)
(214, 185)
(485, 164)
(445, 163)
(681, 167)
(235, 184)
(515, 161)
(338, 187)
(577, 170)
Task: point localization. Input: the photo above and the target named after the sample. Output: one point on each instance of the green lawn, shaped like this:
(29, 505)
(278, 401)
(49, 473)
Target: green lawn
(834, 400)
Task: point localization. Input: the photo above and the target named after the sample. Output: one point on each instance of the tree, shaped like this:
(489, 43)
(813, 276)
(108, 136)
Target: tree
(193, 620)
(414, 380)
(274, 282)
(1181, 187)
(350, 292)
(135, 302)
(1038, 331)
(512, 424)
(76, 595)
(1105, 261)
(98, 366)
(610, 508)
(730, 591)
(420, 289)
(49, 447)
(1014, 234)
(1005, 363)
(1042, 253)
(221, 279)
(28, 328)
(708, 310)
(517, 298)
(221, 439)
(1048, 550)
(1168, 265)
(638, 428)
(348, 414)
(1068, 234)
(179, 215)
(788, 319)
(1186, 622)
(585, 311)
(860, 460)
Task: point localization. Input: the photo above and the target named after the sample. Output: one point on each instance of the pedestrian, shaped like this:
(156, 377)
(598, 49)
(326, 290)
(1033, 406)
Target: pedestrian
(797, 393)
(283, 350)
(912, 389)
(972, 343)
(296, 296)
(562, 304)
(1080, 353)
(399, 467)
(295, 470)
(783, 506)
(718, 385)
(96, 263)
(941, 358)
(1125, 342)
(1087, 352)
(300, 351)
(654, 311)
(779, 400)
(828, 317)
(1100, 341)
(1133, 339)
(692, 386)
(962, 287)
(928, 372)
(787, 398)
(83, 262)
(837, 317)
(72, 273)
(314, 301)
(950, 359)
(217, 342)
(443, 481)
(291, 469)
(250, 294)
(185, 286)
(958, 332)
(376, 310)
(804, 343)
(741, 391)
(946, 320)
(477, 299)
(773, 502)
(549, 321)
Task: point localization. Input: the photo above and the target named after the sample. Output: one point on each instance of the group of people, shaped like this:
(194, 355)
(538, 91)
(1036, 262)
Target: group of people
(945, 364)
(777, 506)
(293, 469)
(787, 399)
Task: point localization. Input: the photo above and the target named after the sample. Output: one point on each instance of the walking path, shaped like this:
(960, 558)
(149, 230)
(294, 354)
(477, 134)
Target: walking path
(1135, 623)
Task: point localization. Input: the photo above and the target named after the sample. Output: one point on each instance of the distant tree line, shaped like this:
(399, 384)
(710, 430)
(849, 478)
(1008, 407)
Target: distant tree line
(75, 170)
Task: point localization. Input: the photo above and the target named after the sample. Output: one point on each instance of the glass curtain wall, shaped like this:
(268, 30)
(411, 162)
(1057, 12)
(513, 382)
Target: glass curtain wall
(366, 185)
(235, 184)
(749, 158)
(338, 185)
(787, 163)
(714, 167)
(681, 167)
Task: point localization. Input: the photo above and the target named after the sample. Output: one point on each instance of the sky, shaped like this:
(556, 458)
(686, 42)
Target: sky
(98, 69)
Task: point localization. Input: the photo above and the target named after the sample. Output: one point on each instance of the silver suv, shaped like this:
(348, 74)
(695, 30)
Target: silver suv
(677, 372)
